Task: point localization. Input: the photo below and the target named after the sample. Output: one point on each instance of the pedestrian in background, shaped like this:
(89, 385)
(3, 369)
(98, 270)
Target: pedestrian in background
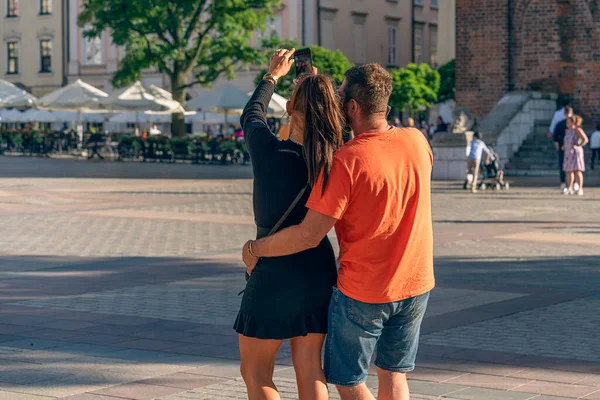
(574, 165)
(595, 145)
(478, 147)
(558, 136)
(559, 116)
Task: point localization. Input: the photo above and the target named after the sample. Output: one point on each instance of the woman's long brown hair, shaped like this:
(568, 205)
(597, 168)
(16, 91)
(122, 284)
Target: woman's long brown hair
(315, 98)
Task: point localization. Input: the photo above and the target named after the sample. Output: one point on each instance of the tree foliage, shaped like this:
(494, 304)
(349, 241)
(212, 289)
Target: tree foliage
(333, 63)
(447, 86)
(192, 41)
(415, 87)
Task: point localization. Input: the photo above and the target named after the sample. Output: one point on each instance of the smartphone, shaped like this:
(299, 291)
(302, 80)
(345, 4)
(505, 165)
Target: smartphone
(303, 61)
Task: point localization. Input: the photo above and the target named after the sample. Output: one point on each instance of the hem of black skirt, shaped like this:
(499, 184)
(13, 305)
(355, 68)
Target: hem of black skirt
(280, 329)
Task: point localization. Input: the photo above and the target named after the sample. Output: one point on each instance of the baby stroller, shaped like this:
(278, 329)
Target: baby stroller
(491, 175)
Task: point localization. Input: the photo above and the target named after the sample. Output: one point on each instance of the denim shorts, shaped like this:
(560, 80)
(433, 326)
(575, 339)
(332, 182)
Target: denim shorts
(357, 329)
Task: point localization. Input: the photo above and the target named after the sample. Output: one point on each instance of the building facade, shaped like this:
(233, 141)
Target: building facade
(364, 30)
(33, 35)
(426, 32)
(446, 45)
(390, 32)
(95, 60)
(542, 45)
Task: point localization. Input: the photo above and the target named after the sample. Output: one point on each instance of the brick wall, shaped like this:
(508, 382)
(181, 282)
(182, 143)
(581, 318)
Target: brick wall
(555, 48)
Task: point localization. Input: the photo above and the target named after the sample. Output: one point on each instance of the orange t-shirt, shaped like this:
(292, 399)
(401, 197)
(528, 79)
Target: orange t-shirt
(379, 190)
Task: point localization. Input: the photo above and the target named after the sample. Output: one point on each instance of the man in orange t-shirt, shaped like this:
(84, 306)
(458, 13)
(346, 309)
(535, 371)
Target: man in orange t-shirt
(378, 197)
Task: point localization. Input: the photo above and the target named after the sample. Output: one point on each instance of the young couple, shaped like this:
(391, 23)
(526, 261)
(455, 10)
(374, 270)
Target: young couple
(375, 190)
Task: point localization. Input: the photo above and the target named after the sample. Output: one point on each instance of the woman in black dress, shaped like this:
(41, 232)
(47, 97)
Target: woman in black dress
(288, 297)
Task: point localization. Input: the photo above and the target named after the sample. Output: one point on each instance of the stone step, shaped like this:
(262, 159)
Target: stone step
(530, 153)
(527, 172)
(537, 148)
(540, 138)
(530, 164)
(535, 161)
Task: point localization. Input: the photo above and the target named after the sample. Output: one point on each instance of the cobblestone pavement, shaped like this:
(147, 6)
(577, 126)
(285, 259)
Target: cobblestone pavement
(120, 281)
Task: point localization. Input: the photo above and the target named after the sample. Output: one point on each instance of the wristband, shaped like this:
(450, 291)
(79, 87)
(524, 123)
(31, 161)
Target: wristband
(271, 78)
(250, 250)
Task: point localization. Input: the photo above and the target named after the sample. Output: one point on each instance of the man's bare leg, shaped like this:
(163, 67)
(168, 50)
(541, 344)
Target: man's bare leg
(358, 392)
(392, 385)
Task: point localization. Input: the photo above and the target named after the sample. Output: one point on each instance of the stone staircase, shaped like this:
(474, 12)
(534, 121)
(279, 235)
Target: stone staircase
(537, 155)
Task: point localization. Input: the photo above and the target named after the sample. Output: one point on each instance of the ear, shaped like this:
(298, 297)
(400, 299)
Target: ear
(353, 108)
(288, 108)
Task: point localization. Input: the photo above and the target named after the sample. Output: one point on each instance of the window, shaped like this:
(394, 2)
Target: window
(13, 58)
(93, 51)
(328, 29)
(45, 55)
(418, 2)
(434, 4)
(13, 8)
(45, 7)
(419, 43)
(359, 37)
(392, 59)
(433, 44)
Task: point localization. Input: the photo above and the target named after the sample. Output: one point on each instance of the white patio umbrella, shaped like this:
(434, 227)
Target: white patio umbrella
(43, 116)
(209, 118)
(139, 99)
(225, 99)
(77, 96)
(66, 116)
(11, 116)
(159, 92)
(12, 96)
(133, 117)
(276, 105)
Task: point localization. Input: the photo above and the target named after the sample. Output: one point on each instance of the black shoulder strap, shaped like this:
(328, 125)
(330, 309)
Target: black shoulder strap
(288, 211)
(282, 220)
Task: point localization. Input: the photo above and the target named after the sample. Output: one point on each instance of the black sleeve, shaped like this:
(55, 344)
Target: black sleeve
(555, 137)
(257, 134)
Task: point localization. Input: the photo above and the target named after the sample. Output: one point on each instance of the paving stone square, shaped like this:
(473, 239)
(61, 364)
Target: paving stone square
(120, 281)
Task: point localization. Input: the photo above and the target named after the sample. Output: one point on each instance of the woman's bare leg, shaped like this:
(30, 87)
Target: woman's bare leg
(571, 180)
(306, 356)
(579, 178)
(257, 366)
(475, 176)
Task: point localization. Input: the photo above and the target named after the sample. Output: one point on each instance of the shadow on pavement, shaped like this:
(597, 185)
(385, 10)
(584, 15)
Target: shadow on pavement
(575, 274)
(31, 167)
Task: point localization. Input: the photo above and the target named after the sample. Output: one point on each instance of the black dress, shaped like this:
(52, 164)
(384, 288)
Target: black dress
(286, 296)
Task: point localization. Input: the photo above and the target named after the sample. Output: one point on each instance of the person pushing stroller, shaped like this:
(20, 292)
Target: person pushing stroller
(478, 148)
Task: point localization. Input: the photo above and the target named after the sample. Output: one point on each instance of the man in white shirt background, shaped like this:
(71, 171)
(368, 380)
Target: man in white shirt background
(154, 130)
(559, 116)
(595, 144)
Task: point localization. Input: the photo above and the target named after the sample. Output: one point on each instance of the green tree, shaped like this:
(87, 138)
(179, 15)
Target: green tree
(414, 87)
(333, 63)
(447, 85)
(191, 41)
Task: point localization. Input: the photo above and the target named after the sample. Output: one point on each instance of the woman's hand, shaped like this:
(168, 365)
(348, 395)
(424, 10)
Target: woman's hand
(281, 62)
(248, 258)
